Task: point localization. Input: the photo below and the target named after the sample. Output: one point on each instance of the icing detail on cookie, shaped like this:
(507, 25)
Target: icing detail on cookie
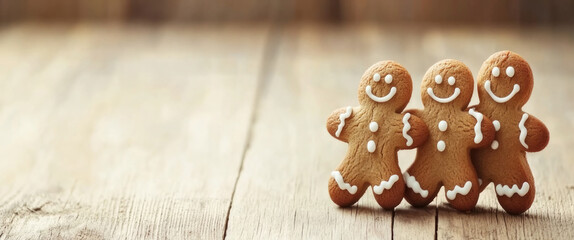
(480, 182)
(510, 71)
(388, 97)
(451, 194)
(496, 124)
(352, 189)
(413, 184)
(376, 77)
(523, 131)
(442, 125)
(443, 100)
(373, 126)
(438, 79)
(440, 146)
(342, 118)
(371, 146)
(389, 78)
(451, 80)
(505, 190)
(497, 99)
(406, 128)
(496, 71)
(378, 189)
(494, 145)
(477, 129)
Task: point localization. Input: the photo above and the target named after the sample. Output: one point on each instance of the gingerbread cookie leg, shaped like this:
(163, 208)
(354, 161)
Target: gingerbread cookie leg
(461, 190)
(419, 192)
(516, 191)
(345, 191)
(389, 190)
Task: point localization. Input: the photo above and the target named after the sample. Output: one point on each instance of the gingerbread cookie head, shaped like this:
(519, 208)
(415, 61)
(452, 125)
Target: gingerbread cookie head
(505, 78)
(448, 83)
(386, 84)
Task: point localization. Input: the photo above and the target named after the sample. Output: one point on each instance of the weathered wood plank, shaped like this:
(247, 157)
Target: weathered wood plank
(124, 131)
(282, 190)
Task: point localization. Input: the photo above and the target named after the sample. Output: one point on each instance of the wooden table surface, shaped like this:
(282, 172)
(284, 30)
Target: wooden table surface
(218, 131)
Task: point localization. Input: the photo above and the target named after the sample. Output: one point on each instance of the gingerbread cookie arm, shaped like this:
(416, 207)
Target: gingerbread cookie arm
(340, 123)
(414, 131)
(484, 132)
(534, 135)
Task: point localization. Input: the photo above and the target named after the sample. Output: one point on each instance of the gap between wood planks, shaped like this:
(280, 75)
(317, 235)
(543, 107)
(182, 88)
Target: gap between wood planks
(269, 59)
(268, 62)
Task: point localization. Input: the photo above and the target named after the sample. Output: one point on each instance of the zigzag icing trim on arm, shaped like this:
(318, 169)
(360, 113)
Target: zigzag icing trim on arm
(342, 118)
(477, 129)
(412, 183)
(523, 131)
(352, 189)
(406, 128)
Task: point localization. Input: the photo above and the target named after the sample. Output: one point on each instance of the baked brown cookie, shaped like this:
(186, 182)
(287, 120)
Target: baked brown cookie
(375, 130)
(444, 159)
(504, 85)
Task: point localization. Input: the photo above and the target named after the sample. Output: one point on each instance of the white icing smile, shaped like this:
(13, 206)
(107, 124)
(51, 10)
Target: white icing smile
(388, 97)
(443, 100)
(500, 99)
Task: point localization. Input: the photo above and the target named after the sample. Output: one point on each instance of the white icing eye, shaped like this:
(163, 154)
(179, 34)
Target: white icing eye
(451, 80)
(388, 78)
(376, 77)
(510, 71)
(438, 79)
(496, 71)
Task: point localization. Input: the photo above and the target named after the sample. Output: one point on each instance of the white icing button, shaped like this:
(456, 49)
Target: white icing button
(496, 124)
(451, 80)
(440, 145)
(376, 77)
(510, 71)
(442, 125)
(496, 71)
(371, 146)
(373, 126)
(438, 79)
(388, 78)
(494, 145)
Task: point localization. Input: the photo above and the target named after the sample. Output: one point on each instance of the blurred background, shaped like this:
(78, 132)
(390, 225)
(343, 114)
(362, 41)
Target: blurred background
(446, 11)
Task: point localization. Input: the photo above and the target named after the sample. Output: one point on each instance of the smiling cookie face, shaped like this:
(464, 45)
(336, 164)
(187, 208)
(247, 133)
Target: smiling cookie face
(505, 78)
(386, 84)
(448, 83)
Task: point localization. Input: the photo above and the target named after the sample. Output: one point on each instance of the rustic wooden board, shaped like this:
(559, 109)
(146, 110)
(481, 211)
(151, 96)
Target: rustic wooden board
(218, 131)
(123, 132)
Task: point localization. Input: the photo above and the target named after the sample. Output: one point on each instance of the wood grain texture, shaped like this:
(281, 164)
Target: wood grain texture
(155, 131)
(123, 132)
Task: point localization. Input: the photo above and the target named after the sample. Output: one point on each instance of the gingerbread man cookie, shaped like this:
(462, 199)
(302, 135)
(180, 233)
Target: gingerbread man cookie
(375, 130)
(444, 159)
(504, 85)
